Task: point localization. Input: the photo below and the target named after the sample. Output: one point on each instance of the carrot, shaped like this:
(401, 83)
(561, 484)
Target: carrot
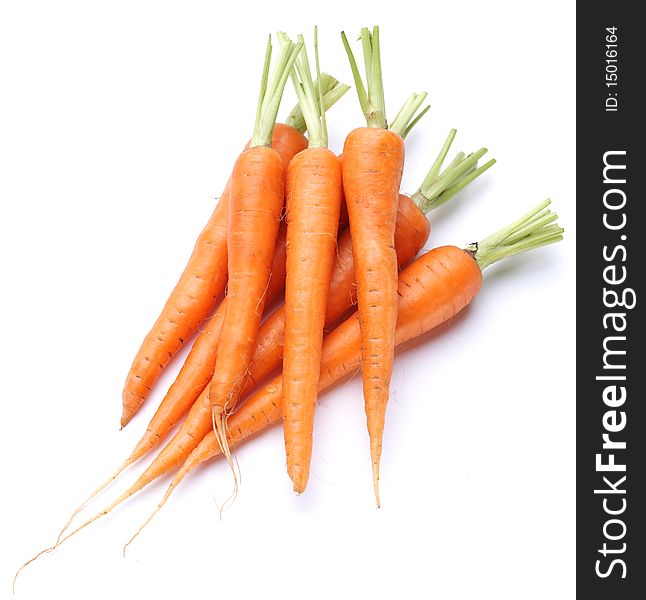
(373, 159)
(195, 294)
(205, 275)
(340, 349)
(412, 232)
(255, 206)
(314, 197)
(198, 366)
(197, 370)
(431, 291)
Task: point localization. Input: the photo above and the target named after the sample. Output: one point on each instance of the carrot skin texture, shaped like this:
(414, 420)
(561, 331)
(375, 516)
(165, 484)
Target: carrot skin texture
(255, 206)
(412, 233)
(194, 296)
(373, 161)
(197, 370)
(314, 196)
(432, 290)
(196, 293)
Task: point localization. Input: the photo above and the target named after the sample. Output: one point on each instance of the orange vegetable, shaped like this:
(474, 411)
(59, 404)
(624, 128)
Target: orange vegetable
(197, 370)
(255, 208)
(204, 278)
(373, 160)
(314, 197)
(412, 232)
(431, 291)
(196, 293)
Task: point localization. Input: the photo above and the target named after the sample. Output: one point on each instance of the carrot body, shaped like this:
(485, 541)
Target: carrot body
(196, 293)
(314, 195)
(197, 370)
(431, 291)
(412, 232)
(255, 205)
(373, 160)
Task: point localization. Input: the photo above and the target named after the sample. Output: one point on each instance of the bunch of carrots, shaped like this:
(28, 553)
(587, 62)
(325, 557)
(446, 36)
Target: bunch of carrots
(336, 239)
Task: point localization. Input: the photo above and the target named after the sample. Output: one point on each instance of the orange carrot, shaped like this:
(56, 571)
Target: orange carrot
(197, 370)
(195, 294)
(314, 196)
(412, 232)
(204, 278)
(425, 301)
(431, 291)
(373, 159)
(198, 366)
(255, 206)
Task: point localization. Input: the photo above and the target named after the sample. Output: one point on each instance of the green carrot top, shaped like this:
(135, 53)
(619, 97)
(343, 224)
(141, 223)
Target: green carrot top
(439, 186)
(309, 92)
(372, 99)
(535, 229)
(332, 91)
(271, 91)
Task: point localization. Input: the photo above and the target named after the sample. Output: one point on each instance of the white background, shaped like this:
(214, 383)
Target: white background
(119, 124)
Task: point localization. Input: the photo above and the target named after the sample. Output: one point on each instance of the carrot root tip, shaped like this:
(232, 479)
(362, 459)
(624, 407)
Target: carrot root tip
(220, 429)
(93, 495)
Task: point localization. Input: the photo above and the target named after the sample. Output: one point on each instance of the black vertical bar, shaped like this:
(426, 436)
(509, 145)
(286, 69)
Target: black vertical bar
(611, 261)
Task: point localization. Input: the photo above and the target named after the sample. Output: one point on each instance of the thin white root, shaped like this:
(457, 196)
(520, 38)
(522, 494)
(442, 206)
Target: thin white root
(104, 512)
(93, 495)
(375, 483)
(59, 542)
(375, 457)
(148, 520)
(173, 484)
(220, 429)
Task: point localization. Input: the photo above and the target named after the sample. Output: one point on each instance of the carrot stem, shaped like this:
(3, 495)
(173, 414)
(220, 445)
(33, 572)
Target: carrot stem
(535, 229)
(332, 91)
(309, 97)
(453, 189)
(449, 176)
(375, 80)
(415, 121)
(271, 91)
(358, 82)
(402, 123)
(440, 186)
(317, 84)
(441, 157)
(372, 102)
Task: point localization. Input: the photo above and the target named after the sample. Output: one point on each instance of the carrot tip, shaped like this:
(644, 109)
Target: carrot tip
(95, 493)
(298, 489)
(125, 417)
(375, 481)
(220, 429)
